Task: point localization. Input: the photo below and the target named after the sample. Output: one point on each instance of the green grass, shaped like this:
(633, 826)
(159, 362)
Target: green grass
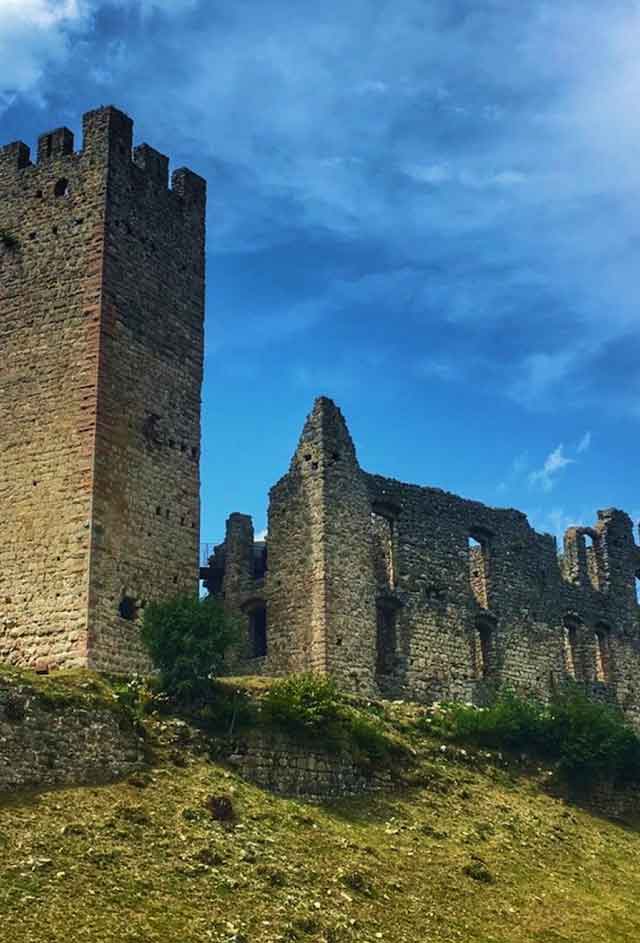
(469, 854)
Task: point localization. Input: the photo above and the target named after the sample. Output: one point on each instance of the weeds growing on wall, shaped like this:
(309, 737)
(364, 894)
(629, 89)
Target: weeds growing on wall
(8, 241)
(590, 742)
(309, 707)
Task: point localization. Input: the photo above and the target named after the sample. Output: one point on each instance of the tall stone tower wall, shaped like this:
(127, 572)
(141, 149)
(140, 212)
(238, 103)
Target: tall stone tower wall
(101, 313)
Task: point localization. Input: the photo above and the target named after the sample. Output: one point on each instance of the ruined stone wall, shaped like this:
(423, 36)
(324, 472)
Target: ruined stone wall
(452, 639)
(46, 742)
(413, 592)
(101, 306)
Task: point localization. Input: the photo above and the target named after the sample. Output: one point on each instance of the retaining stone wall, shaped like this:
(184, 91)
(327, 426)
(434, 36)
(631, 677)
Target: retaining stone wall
(292, 769)
(45, 743)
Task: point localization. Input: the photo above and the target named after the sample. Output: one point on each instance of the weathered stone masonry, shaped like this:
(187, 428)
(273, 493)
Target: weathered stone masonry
(413, 592)
(101, 348)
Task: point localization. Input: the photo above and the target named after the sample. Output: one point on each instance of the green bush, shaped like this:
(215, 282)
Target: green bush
(304, 702)
(510, 723)
(589, 741)
(592, 741)
(187, 638)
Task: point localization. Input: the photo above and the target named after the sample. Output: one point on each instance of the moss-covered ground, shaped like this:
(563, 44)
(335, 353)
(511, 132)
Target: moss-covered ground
(462, 853)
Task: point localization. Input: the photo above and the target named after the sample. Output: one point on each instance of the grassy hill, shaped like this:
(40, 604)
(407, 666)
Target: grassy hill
(461, 852)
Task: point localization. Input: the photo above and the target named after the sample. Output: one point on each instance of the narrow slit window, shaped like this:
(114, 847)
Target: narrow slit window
(383, 527)
(258, 632)
(571, 646)
(603, 655)
(591, 560)
(478, 550)
(386, 639)
(483, 650)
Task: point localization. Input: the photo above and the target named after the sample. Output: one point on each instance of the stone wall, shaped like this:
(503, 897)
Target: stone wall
(45, 742)
(413, 592)
(291, 769)
(101, 315)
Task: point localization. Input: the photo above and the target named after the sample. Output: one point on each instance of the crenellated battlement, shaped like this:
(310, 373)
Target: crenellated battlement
(108, 141)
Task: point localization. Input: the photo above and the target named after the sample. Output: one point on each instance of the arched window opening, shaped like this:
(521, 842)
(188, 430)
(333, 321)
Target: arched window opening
(603, 653)
(61, 187)
(478, 550)
(572, 650)
(637, 582)
(483, 649)
(386, 638)
(258, 631)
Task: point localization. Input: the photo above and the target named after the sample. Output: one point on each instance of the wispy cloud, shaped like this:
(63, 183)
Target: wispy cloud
(546, 476)
(584, 444)
(503, 199)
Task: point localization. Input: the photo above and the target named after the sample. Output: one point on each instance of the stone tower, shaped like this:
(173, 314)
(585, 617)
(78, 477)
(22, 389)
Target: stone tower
(321, 593)
(101, 352)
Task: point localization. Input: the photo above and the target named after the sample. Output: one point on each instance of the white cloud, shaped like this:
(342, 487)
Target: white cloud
(546, 476)
(33, 34)
(584, 444)
(261, 535)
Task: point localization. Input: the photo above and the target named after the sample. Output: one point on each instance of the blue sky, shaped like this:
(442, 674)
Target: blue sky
(428, 211)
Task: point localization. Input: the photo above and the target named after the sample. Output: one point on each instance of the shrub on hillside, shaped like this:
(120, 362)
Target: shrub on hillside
(310, 706)
(187, 638)
(590, 741)
(304, 702)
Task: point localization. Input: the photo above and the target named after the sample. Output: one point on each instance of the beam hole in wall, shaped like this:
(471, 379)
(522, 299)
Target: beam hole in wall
(128, 608)
(603, 652)
(61, 187)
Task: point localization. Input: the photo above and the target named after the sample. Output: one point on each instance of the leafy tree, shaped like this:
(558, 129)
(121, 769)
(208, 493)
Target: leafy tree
(187, 638)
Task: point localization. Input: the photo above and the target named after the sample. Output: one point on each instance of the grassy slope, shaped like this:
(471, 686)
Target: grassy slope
(127, 863)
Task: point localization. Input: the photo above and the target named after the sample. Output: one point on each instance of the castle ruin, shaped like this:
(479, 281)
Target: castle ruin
(395, 589)
(408, 591)
(101, 344)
